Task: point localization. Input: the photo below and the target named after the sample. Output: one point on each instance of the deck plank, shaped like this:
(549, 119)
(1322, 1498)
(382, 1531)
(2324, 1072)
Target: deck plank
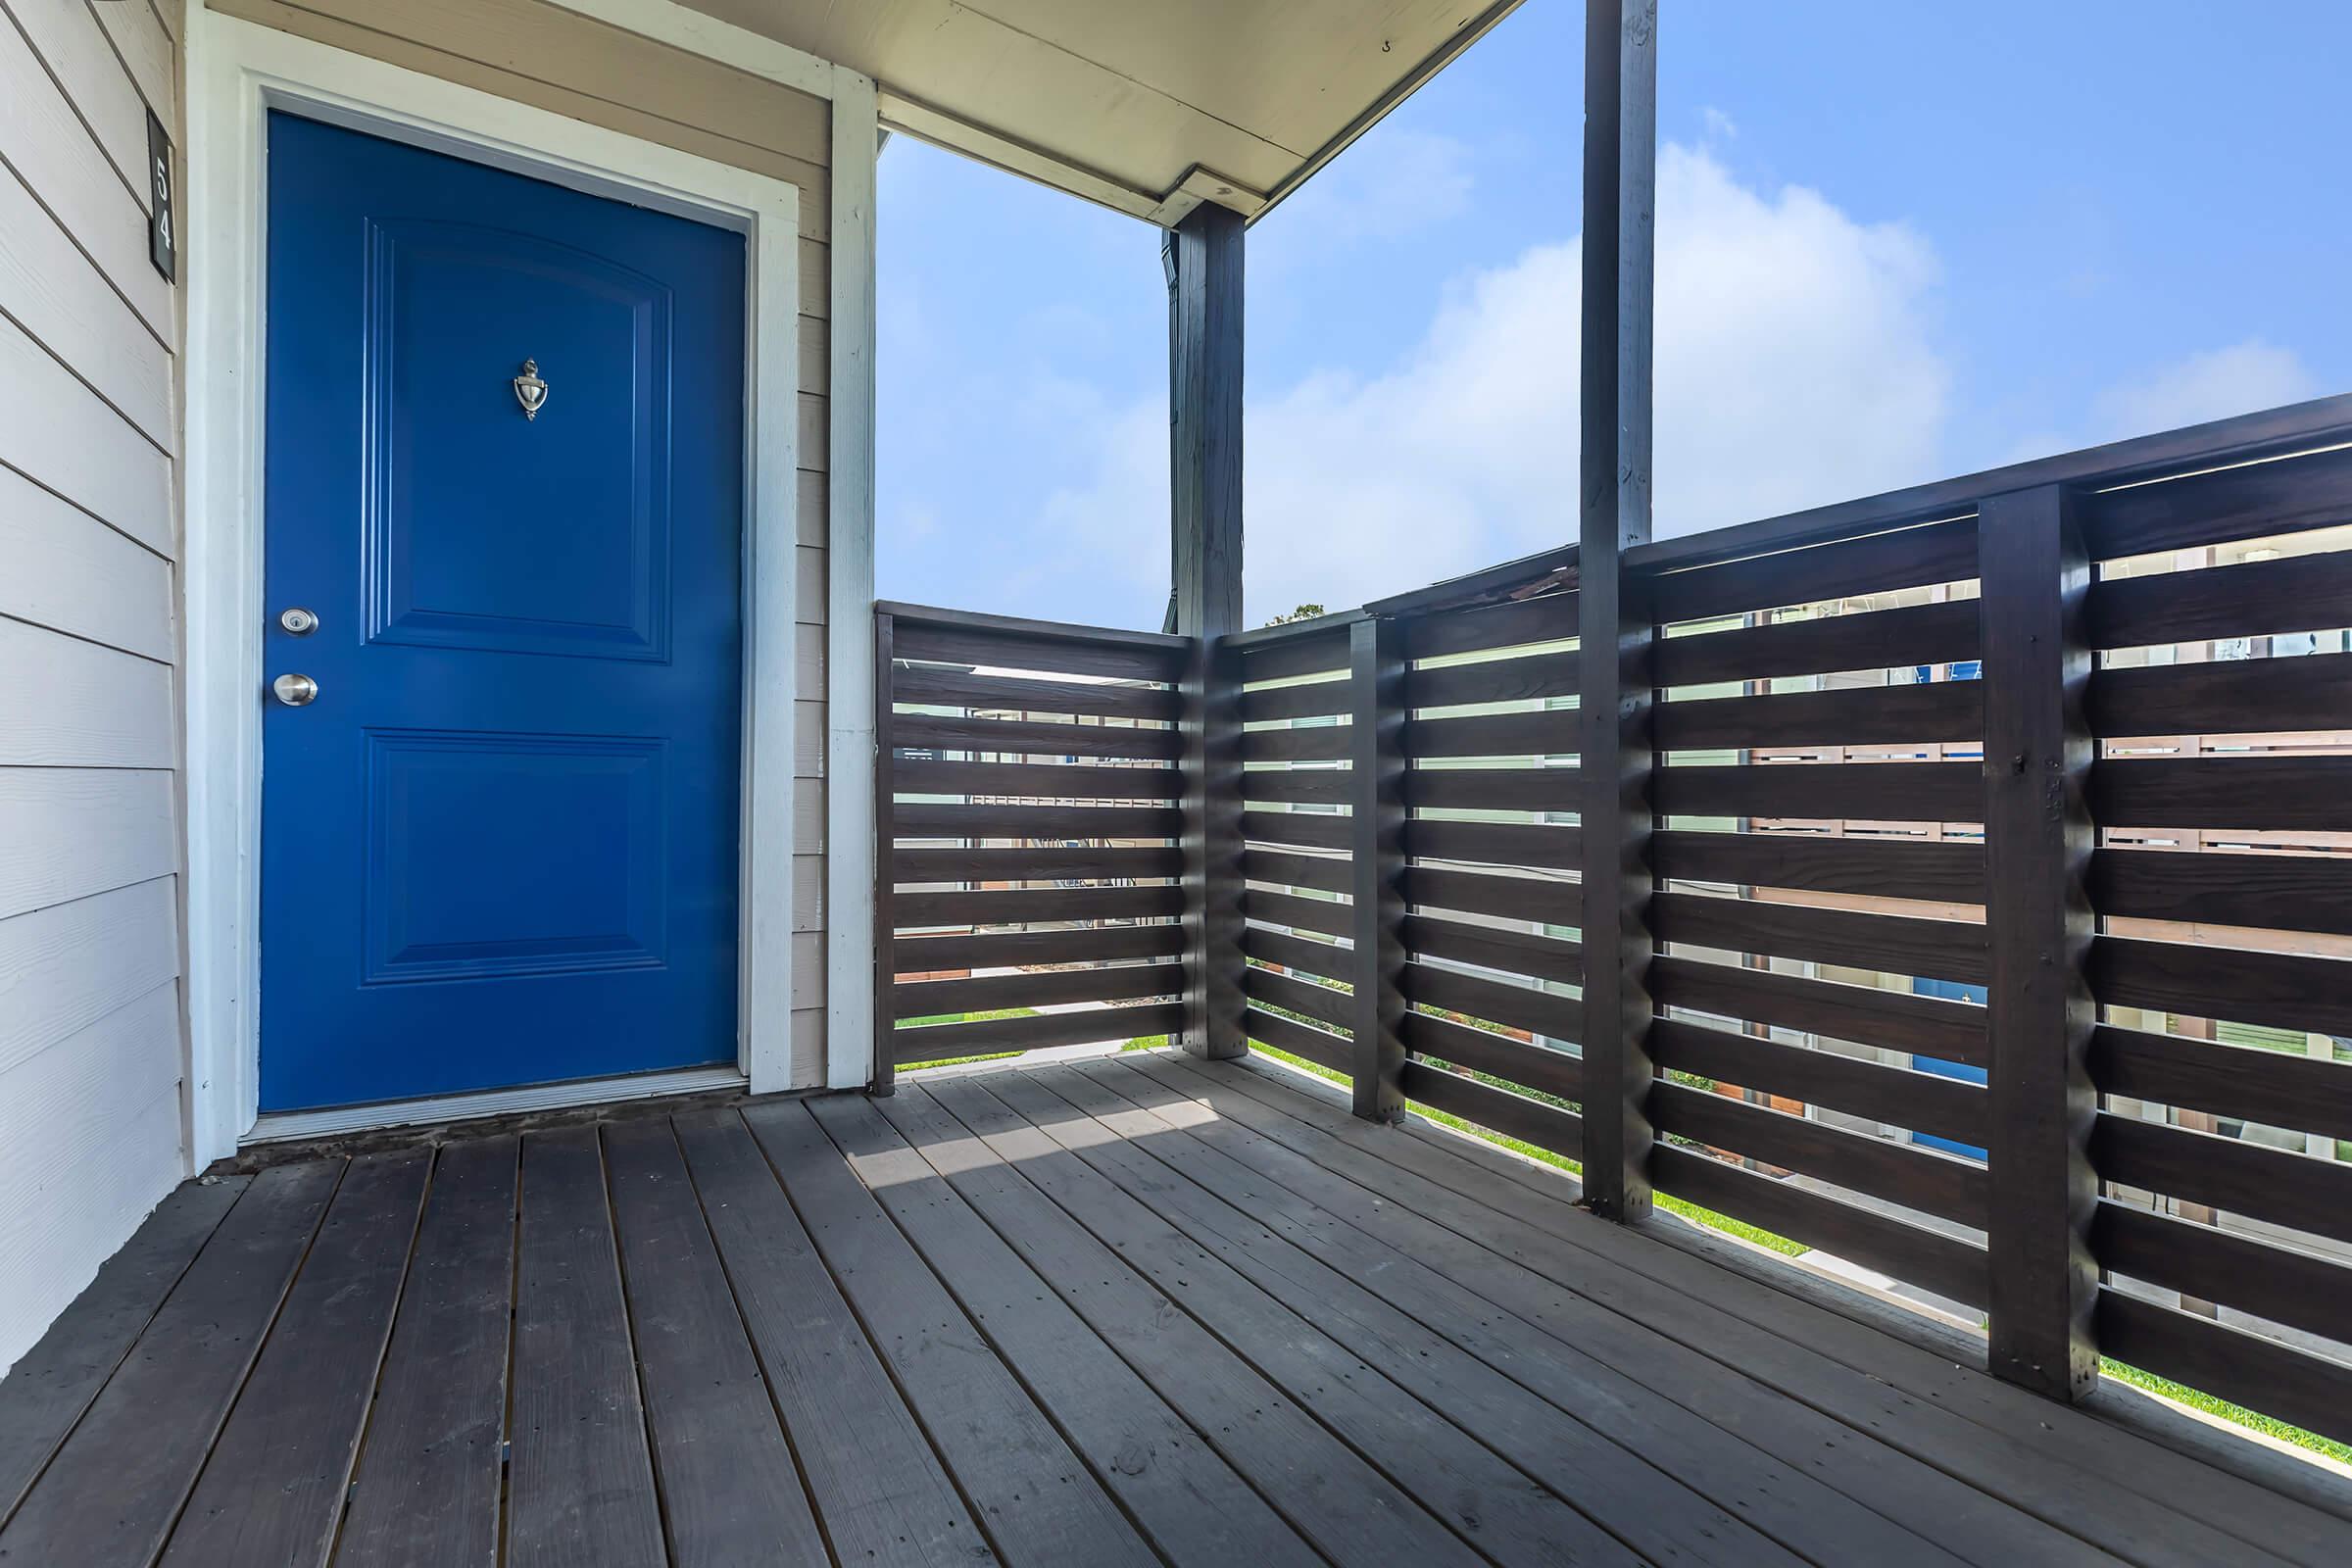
(581, 1478)
(55, 1381)
(1351, 1513)
(274, 1486)
(110, 1494)
(2311, 1526)
(1647, 1509)
(1589, 1310)
(729, 1481)
(879, 1489)
(1201, 1301)
(1648, 1491)
(1490, 1507)
(2032, 1497)
(426, 1490)
(1038, 1499)
(2257, 1514)
(1196, 1508)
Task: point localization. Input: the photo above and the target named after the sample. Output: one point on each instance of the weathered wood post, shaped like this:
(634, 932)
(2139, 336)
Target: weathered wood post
(1621, 65)
(1205, 252)
(2038, 836)
(1376, 665)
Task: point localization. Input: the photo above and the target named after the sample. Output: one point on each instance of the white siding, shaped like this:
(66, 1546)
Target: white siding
(91, 1049)
(70, 833)
(89, 1138)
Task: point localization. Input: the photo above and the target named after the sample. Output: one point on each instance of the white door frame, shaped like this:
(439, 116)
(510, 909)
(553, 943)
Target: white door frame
(851, 1024)
(236, 73)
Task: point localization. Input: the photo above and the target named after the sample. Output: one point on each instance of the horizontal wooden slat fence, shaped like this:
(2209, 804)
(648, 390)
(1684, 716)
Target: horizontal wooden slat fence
(1818, 875)
(2223, 706)
(1860, 1040)
(1028, 880)
(1460, 824)
(1493, 966)
(1999, 882)
(1297, 860)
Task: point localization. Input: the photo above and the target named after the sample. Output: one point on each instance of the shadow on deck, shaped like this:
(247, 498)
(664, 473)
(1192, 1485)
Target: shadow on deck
(1134, 1310)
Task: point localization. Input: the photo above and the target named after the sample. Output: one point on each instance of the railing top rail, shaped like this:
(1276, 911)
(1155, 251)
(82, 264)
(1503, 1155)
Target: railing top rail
(1486, 585)
(972, 620)
(1292, 631)
(2273, 433)
(1490, 587)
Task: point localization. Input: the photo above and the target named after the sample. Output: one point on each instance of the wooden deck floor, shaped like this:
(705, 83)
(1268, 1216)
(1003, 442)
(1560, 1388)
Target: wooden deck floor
(1133, 1311)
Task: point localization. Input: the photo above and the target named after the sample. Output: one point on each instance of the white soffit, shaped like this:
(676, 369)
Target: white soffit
(1146, 106)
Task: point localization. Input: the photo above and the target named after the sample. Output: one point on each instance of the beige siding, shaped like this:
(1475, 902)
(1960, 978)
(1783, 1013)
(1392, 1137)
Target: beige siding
(91, 1049)
(558, 60)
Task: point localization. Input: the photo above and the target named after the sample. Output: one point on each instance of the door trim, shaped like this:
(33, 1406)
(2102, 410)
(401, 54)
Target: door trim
(236, 73)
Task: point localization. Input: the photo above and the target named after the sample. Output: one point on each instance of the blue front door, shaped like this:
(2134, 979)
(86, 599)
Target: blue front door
(499, 846)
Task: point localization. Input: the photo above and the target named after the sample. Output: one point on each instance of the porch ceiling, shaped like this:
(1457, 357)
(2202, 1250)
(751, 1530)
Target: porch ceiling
(1144, 106)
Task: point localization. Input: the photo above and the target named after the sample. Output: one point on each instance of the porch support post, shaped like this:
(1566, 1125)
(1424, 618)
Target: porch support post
(1614, 473)
(1204, 419)
(1376, 753)
(1205, 432)
(2042, 1279)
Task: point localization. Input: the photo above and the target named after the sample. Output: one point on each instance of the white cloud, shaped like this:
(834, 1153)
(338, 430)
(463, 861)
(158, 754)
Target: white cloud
(1795, 366)
(2237, 379)
(1795, 360)
(2211, 385)
(1116, 523)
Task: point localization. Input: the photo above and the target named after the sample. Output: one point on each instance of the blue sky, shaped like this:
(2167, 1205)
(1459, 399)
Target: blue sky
(1896, 241)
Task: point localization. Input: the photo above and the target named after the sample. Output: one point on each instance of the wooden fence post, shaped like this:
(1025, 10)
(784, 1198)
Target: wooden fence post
(1206, 295)
(884, 1079)
(1376, 667)
(1621, 66)
(1212, 846)
(2042, 1280)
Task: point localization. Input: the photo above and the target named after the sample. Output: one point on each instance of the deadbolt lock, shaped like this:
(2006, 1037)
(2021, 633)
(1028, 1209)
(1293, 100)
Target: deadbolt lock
(298, 622)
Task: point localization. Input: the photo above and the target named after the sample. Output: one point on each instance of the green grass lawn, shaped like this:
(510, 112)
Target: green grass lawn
(2223, 1409)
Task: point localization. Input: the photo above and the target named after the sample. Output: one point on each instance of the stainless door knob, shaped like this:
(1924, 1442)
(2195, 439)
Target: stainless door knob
(294, 690)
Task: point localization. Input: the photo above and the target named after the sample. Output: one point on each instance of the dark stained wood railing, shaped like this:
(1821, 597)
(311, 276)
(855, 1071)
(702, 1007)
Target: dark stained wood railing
(2242, 763)
(1790, 902)
(1297, 863)
(1976, 959)
(1028, 878)
(1492, 938)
